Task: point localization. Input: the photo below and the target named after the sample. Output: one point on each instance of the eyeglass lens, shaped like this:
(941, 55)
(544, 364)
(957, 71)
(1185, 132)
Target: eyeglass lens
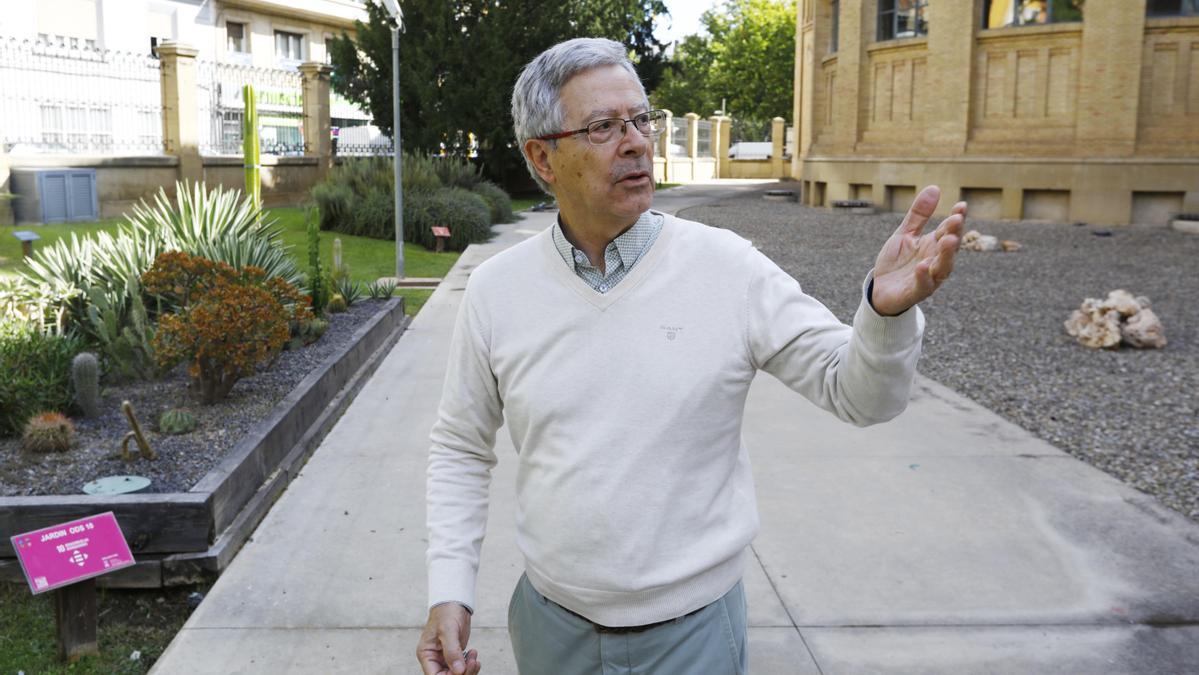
(604, 131)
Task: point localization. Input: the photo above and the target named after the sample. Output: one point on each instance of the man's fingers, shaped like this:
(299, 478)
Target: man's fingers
(451, 648)
(942, 263)
(472, 663)
(922, 209)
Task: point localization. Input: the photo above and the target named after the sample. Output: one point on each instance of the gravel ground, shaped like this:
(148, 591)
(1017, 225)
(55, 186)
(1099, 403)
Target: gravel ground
(184, 459)
(995, 332)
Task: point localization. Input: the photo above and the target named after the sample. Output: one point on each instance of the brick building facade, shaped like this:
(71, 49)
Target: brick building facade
(1016, 105)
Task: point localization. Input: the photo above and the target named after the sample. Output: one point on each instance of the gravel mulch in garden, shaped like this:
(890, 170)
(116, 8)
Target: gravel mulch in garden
(182, 459)
(995, 332)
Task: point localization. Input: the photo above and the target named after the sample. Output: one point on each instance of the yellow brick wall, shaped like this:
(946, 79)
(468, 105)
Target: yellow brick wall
(1089, 121)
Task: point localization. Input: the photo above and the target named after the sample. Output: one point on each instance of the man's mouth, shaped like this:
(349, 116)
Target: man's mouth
(634, 177)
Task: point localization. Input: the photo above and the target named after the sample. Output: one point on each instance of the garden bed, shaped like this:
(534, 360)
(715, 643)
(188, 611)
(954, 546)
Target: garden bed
(211, 486)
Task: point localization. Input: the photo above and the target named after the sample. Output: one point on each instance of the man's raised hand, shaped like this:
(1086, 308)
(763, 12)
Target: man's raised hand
(912, 265)
(440, 648)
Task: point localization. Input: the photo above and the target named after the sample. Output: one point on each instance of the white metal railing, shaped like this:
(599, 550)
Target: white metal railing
(60, 100)
(280, 98)
(703, 136)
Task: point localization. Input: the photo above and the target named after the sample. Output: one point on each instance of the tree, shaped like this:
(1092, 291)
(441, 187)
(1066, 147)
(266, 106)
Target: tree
(459, 60)
(747, 56)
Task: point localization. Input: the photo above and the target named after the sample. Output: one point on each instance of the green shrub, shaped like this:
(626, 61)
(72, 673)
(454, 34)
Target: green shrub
(419, 174)
(380, 289)
(457, 172)
(350, 291)
(464, 212)
(334, 201)
(36, 369)
(374, 216)
(498, 201)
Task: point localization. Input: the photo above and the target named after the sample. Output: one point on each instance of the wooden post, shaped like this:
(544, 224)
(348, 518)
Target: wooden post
(75, 617)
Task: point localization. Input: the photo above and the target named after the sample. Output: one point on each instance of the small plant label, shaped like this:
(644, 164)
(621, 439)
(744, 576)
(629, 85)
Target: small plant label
(62, 554)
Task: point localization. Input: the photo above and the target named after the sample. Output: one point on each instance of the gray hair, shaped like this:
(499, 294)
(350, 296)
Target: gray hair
(536, 108)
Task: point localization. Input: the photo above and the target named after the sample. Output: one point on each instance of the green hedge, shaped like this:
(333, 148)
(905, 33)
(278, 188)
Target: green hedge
(37, 374)
(358, 199)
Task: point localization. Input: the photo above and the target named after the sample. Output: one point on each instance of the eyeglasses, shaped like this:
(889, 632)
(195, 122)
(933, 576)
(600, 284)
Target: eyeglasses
(605, 131)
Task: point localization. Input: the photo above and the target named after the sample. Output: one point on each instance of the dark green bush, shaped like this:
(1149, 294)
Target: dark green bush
(374, 216)
(455, 172)
(334, 201)
(464, 212)
(498, 201)
(36, 371)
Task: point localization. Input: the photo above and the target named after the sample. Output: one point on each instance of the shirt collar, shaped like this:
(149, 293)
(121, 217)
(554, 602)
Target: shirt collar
(629, 245)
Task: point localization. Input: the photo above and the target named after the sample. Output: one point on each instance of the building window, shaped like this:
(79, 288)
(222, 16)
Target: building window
(901, 18)
(1173, 8)
(235, 37)
(1003, 13)
(834, 32)
(289, 46)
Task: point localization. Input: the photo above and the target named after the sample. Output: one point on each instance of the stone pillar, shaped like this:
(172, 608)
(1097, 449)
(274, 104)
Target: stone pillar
(718, 141)
(951, 50)
(1109, 76)
(692, 135)
(317, 122)
(778, 132)
(726, 166)
(180, 112)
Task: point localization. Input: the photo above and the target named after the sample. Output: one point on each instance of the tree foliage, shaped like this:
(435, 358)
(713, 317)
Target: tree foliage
(746, 56)
(459, 60)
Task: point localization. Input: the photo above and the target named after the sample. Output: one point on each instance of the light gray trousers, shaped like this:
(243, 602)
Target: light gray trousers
(549, 640)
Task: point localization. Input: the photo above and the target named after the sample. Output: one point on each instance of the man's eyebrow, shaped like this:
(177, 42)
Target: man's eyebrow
(605, 113)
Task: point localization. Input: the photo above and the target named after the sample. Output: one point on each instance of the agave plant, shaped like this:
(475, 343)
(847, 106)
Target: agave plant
(219, 225)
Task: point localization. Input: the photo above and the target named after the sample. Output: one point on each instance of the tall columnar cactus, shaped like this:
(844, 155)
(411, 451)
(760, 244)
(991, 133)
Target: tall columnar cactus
(48, 432)
(316, 277)
(85, 376)
(339, 270)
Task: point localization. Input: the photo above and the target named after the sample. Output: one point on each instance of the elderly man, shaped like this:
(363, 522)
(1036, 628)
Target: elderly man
(620, 345)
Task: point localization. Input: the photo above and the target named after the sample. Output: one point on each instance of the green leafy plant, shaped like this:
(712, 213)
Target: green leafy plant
(381, 289)
(308, 332)
(35, 373)
(48, 432)
(45, 306)
(85, 377)
(464, 212)
(351, 291)
(176, 421)
(123, 333)
(498, 201)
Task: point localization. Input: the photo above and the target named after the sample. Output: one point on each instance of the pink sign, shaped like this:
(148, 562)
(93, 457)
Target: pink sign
(63, 554)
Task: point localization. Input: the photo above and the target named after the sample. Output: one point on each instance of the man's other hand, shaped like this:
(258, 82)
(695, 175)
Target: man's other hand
(912, 266)
(441, 642)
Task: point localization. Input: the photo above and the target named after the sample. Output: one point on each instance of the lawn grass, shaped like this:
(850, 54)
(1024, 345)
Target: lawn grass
(130, 621)
(368, 259)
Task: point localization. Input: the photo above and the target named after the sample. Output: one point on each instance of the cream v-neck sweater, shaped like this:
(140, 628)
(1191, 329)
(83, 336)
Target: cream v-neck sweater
(634, 497)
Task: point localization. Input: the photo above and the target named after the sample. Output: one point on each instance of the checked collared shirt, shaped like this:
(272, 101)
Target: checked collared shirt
(619, 257)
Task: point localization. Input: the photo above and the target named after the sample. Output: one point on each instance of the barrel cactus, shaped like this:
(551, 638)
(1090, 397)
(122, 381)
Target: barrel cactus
(48, 432)
(337, 303)
(176, 421)
(85, 376)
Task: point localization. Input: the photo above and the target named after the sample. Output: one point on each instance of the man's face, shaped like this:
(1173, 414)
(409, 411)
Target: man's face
(613, 181)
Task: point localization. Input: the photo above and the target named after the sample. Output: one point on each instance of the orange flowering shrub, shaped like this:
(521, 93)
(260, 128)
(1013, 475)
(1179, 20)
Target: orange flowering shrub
(228, 321)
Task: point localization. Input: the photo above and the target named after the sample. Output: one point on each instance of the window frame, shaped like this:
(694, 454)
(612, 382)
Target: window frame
(1019, 23)
(245, 44)
(890, 18)
(288, 59)
(1182, 11)
(834, 42)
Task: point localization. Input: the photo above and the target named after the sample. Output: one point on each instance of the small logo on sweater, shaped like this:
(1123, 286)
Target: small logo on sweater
(671, 332)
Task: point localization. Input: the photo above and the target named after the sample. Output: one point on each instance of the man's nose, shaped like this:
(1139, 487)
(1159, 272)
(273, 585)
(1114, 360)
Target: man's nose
(633, 142)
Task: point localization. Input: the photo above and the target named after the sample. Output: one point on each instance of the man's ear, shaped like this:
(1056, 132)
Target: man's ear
(538, 152)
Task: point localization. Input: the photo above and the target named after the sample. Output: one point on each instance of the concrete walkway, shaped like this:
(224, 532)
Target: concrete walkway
(947, 541)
